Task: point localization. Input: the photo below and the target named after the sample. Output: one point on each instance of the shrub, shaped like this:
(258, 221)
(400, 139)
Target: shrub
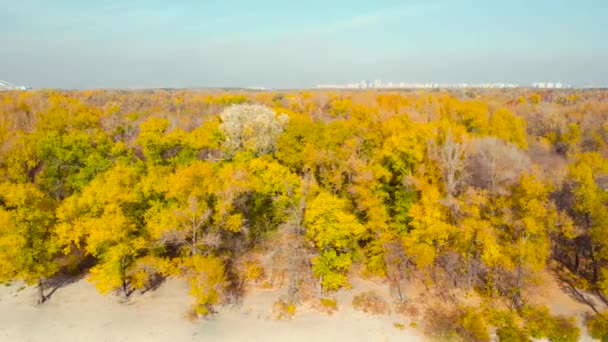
(370, 302)
(330, 267)
(464, 323)
(471, 325)
(511, 333)
(542, 324)
(328, 305)
(506, 327)
(206, 278)
(283, 310)
(399, 326)
(598, 327)
(253, 271)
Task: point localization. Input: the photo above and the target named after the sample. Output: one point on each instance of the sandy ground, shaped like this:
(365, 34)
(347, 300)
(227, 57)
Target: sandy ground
(77, 312)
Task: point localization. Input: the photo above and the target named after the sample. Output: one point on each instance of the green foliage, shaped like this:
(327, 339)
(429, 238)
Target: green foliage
(471, 326)
(112, 271)
(329, 224)
(461, 324)
(598, 327)
(510, 333)
(187, 183)
(334, 231)
(331, 268)
(541, 324)
(175, 148)
(71, 160)
(506, 325)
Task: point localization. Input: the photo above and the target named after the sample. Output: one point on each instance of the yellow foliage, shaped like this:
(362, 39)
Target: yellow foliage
(508, 126)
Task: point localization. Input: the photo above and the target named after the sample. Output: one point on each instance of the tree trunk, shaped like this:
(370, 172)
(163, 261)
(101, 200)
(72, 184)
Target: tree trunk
(193, 248)
(594, 264)
(517, 300)
(41, 297)
(469, 265)
(125, 288)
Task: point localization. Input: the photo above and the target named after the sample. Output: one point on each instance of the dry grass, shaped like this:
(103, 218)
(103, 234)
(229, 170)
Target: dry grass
(191, 315)
(372, 303)
(409, 310)
(283, 310)
(326, 305)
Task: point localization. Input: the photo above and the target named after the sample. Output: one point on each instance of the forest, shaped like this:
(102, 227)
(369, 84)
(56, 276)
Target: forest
(472, 192)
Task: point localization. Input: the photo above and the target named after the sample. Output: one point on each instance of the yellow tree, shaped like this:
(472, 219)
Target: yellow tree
(429, 231)
(528, 219)
(334, 230)
(590, 202)
(478, 238)
(509, 127)
(206, 275)
(195, 214)
(104, 221)
(27, 241)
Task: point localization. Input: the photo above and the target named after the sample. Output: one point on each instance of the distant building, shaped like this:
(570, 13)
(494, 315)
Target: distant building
(550, 85)
(378, 84)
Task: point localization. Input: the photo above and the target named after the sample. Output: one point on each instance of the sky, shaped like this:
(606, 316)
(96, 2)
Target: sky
(77, 44)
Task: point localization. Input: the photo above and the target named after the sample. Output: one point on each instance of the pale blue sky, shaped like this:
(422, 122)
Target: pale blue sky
(151, 43)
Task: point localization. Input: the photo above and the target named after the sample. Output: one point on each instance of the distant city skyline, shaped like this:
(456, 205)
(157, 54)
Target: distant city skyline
(379, 84)
(269, 43)
(375, 84)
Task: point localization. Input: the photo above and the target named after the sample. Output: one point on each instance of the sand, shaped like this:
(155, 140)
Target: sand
(77, 312)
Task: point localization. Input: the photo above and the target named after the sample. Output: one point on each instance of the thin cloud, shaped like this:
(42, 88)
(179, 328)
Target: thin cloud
(380, 16)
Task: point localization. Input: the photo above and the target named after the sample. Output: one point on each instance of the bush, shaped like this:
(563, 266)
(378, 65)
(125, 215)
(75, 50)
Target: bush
(598, 327)
(328, 305)
(541, 324)
(511, 333)
(253, 271)
(464, 323)
(399, 326)
(206, 278)
(506, 327)
(370, 302)
(283, 310)
(472, 326)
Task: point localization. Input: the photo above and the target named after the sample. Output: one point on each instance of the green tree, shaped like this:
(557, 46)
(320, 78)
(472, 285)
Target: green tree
(334, 231)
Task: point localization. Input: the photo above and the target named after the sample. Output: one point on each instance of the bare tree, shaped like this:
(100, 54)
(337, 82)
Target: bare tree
(495, 165)
(450, 157)
(396, 265)
(252, 128)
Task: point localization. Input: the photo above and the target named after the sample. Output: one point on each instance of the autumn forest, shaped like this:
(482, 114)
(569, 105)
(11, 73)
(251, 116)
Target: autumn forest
(468, 192)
